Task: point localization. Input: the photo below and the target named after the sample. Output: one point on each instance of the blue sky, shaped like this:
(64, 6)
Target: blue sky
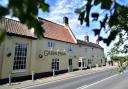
(61, 8)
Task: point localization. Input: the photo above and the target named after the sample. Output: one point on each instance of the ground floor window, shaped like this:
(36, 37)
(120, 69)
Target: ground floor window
(79, 64)
(82, 63)
(70, 62)
(20, 57)
(89, 61)
(55, 64)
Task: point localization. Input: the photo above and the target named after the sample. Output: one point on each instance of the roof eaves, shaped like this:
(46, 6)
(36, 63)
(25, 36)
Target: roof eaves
(88, 44)
(59, 40)
(20, 35)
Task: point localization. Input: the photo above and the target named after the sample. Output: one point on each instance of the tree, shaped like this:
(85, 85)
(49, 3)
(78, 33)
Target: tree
(117, 19)
(122, 62)
(26, 11)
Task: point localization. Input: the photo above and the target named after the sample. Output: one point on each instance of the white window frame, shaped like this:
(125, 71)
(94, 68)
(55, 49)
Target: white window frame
(20, 58)
(55, 64)
(51, 44)
(70, 48)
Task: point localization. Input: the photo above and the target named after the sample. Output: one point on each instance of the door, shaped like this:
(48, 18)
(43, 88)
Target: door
(84, 65)
(70, 65)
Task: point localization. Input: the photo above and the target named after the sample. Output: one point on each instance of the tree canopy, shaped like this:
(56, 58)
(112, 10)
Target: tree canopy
(117, 22)
(117, 19)
(26, 11)
(122, 62)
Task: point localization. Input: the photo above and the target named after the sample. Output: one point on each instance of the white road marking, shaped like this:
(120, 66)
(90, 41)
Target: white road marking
(86, 86)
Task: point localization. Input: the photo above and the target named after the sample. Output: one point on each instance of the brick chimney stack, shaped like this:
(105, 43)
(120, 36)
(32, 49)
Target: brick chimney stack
(97, 41)
(65, 21)
(86, 38)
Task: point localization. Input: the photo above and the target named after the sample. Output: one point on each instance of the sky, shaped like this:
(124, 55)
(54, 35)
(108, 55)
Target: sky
(61, 8)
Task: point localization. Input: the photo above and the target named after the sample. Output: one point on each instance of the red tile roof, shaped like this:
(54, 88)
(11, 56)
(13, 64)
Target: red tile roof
(57, 31)
(16, 28)
(52, 30)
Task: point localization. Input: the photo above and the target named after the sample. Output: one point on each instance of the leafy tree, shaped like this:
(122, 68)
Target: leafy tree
(122, 62)
(26, 11)
(117, 19)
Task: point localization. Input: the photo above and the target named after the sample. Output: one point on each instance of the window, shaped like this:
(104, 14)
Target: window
(20, 57)
(86, 50)
(55, 64)
(89, 61)
(70, 62)
(79, 64)
(70, 47)
(101, 61)
(84, 62)
(51, 44)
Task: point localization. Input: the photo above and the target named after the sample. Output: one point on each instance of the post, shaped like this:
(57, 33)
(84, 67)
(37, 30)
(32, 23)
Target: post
(90, 66)
(81, 65)
(68, 69)
(53, 72)
(32, 76)
(9, 79)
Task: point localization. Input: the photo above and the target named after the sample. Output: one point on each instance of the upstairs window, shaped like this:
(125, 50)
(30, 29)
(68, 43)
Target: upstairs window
(70, 47)
(86, 49)
(51, 44)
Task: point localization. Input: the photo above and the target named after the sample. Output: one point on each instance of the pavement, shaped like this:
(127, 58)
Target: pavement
(68, 75)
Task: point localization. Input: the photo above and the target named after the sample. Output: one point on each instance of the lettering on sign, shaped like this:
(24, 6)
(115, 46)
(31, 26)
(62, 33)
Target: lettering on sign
(58, 53)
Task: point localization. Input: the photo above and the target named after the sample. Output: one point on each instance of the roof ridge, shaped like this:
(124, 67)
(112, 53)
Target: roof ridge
(88, 43)
(14, 27)
(11, 19)
(40, 18)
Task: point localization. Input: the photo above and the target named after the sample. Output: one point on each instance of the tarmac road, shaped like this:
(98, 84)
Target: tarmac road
(77, 82)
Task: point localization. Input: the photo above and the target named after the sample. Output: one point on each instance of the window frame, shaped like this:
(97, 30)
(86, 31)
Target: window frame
(70, 47)
(55, 64)
(51, 44)
(20, 57)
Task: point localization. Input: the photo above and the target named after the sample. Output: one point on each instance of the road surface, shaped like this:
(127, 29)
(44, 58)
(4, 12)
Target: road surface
(77, 82)
(118, 81)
